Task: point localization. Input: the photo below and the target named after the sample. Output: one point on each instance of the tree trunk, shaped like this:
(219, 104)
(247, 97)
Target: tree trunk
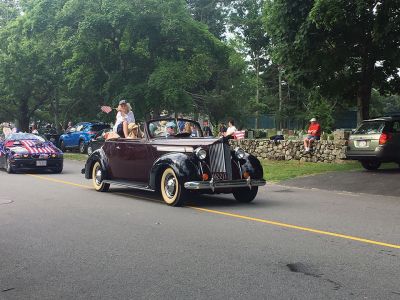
(23, 117)
(364, 90)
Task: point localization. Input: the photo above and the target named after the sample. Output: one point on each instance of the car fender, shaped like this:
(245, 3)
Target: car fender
(99, 156)
(184, 166)
(252, 165)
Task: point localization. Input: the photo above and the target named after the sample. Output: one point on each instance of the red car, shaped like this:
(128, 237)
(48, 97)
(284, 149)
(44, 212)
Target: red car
(175, 159)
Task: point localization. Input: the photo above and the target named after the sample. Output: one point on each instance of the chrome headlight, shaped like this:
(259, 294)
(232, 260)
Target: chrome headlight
(239, 153)
(200, 153)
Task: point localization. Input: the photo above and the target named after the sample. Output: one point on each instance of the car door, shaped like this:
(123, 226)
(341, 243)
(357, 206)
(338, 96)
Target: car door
(80, 128)
(129, 159)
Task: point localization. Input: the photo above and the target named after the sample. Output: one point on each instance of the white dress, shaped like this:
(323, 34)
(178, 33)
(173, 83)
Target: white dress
(129, 118)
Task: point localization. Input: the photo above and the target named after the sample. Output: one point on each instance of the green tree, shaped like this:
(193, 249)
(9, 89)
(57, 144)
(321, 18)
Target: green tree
(343, 47)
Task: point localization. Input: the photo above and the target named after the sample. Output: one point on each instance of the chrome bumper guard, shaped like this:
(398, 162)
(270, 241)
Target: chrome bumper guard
(213, 185)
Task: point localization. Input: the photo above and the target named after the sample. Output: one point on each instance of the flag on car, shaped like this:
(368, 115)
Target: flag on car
(239, 135)
(106, 109)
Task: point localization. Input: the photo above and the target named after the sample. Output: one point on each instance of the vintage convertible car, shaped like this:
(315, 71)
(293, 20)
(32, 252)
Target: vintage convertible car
(26, 151)
(174, 158)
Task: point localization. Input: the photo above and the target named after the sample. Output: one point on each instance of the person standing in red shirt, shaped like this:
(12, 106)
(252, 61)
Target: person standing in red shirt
(313, 134)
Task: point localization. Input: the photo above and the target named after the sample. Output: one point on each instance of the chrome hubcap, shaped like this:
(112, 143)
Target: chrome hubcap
(170, 186)
(98, 176)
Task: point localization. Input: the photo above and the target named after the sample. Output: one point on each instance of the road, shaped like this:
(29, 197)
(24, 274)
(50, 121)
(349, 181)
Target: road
(59, 239)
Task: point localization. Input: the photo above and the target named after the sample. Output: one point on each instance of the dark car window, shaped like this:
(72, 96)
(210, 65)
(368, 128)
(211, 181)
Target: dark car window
(98, 127)
(373, 127)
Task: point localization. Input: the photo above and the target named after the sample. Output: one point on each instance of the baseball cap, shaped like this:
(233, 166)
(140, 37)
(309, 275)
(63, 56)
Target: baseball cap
(313, 120)
(122, 102)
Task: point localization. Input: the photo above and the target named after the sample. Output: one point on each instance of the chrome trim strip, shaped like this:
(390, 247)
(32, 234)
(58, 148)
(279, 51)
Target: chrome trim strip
(174, 149)
(212, 185)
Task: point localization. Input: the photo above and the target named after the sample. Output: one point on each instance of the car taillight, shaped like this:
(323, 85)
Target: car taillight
(385, 136)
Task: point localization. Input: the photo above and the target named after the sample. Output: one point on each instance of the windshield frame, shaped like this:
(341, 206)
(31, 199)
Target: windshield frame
(175, 121)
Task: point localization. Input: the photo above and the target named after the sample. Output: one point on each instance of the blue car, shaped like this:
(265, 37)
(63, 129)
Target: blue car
(79, 136)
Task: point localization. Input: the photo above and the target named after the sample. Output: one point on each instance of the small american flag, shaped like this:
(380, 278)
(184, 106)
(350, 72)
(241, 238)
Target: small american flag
(239, 135)
(106, 109)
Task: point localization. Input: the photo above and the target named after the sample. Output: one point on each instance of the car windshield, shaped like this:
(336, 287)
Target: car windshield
(24, 136)
(372, 127)
(177, 128)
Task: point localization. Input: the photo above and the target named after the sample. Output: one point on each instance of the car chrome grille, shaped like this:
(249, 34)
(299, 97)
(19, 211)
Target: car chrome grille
(220, 161)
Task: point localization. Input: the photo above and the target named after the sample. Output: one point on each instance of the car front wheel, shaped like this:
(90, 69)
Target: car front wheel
(9, 168)
(171, 190)
(98, 178)
(89, 150)
(245, 195)
(82, 147)
(370, 165)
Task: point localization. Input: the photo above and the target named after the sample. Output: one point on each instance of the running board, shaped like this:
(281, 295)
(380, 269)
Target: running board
(130, 184)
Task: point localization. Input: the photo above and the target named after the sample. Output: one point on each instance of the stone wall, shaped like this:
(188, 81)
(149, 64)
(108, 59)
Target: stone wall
(323, 151)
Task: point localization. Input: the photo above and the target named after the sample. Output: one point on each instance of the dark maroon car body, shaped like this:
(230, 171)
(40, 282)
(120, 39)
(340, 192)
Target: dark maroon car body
(140, 163)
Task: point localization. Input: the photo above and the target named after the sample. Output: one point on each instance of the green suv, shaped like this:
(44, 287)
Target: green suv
(376, 141)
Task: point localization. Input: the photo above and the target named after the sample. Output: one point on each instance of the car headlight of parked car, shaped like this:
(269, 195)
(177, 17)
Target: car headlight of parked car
(239, 153)
(200, 153)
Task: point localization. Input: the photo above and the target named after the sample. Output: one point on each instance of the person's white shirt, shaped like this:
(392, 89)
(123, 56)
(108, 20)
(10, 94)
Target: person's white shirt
(34, 131)
(129, 118)
(230, 130)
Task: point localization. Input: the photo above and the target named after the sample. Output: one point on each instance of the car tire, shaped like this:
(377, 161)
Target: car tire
(8, 167)
(62, 146)
(57, 170)
(245, 195)
(89, 150)
(82, 147)
(97, 177)
(370, 165)
(172, 191)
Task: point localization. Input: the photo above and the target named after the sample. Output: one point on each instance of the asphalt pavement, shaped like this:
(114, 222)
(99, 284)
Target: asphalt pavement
(60, 239)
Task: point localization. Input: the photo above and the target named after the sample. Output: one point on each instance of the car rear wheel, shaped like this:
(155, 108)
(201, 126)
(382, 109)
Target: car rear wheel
(9, 168)
(171, 190)
(97, 177)
(370, 165)
(82, 147)
(245, 195)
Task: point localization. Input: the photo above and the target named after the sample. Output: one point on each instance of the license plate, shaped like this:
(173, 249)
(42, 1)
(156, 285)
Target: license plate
(41, 163)
(362, 144)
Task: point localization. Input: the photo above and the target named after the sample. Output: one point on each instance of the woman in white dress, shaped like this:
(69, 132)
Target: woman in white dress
(124, 118)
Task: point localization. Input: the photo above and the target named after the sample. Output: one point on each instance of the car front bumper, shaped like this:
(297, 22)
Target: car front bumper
(213, 185)
(31, 163)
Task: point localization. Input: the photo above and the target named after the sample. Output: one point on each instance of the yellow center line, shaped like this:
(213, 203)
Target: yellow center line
(307, 229)
(61, 181)
(243, 217)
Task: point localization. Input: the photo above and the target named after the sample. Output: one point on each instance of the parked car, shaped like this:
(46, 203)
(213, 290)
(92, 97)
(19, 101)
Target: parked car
(26, 151)
(376, 141)
(176, 163)
(51, 134)
(97, 141)
(78, 137)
